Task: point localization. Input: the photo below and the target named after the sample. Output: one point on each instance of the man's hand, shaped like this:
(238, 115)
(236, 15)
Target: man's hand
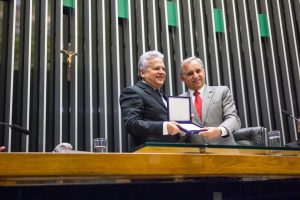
(172, 128)
(210, 132)
(298, 125)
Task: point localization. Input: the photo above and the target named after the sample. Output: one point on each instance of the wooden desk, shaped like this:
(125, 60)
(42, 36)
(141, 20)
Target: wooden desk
(148, 163)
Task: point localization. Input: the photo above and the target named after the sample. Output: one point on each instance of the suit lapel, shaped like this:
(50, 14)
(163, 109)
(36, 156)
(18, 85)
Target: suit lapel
(149, 90)
(206, 99)
(195, 118)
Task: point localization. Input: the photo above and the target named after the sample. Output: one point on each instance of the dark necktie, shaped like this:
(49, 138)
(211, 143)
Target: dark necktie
(163, 97)
(198, 104)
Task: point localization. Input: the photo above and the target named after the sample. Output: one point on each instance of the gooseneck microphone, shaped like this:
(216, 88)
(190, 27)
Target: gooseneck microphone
(289, 114)
(16, 128)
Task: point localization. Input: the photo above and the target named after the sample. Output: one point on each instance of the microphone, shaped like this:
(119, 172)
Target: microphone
(289, 114)
(16, 127)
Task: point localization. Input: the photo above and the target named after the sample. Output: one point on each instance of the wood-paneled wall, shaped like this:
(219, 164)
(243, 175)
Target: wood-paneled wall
(262, 72)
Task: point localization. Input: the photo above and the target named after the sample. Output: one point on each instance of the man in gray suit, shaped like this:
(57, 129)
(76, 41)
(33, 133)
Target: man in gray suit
(219, 116)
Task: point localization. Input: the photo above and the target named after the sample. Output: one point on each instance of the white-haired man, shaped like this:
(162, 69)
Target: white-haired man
(213, 107)
(143, 107)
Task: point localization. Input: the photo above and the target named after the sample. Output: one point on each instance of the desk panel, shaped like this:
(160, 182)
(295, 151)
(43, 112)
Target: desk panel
(47, 166)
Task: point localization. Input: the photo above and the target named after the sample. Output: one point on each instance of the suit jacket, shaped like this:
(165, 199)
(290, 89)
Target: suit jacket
(218, 109)
(144, 112)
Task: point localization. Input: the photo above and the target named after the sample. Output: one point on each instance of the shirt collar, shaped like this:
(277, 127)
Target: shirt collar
(200, 90)
(150, 85)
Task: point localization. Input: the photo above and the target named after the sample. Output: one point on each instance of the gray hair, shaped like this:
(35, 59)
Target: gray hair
(189, 60)
(145, 57)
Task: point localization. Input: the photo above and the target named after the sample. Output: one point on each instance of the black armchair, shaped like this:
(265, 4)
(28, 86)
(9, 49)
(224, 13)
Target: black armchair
(251, 136)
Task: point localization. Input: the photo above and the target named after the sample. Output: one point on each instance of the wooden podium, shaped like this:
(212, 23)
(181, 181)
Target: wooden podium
(152, 161)
(155, 171)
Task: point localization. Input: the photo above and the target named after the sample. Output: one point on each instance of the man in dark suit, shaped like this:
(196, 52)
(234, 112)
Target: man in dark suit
(143, 107)
(218, 114)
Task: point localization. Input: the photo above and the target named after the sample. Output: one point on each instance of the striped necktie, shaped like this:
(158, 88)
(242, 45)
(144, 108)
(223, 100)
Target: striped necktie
(161, 96)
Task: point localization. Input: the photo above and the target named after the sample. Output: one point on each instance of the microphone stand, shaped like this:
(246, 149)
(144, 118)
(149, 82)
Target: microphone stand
(289, 114)
(16, 127)
(293, 117)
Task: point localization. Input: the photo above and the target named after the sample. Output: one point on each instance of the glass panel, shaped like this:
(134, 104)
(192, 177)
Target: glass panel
(151, 147)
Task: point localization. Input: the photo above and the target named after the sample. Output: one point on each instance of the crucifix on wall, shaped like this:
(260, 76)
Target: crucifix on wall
(69, 55)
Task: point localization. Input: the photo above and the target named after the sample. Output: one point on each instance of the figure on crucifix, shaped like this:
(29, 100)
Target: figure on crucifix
(69, 55)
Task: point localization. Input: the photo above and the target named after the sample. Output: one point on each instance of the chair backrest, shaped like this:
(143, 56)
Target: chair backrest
(251, 136)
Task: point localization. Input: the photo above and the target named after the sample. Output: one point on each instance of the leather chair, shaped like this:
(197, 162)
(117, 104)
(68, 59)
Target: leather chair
(251, 136)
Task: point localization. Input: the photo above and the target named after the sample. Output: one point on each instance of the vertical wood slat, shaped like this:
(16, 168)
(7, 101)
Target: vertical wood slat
(283, 59)
(93, 73)
(296, 7)
(10, 72)
(88, 77)
(129, 53)
(58, 76)
(3, 60)
(226, 57)
(238, 71)
(27, 74)
(249, 65)
(33, 145)
(179, 47)
(201, 33)
(272, 67)
(189, 27)
(116, 78)
(141, 29)
(74, 82)
(129, 73)
(153, 25)
(43, 77)
(166, 48)
(293, 43)
(103, 65)
(80, 69)
(213, 66)
(260, 68)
